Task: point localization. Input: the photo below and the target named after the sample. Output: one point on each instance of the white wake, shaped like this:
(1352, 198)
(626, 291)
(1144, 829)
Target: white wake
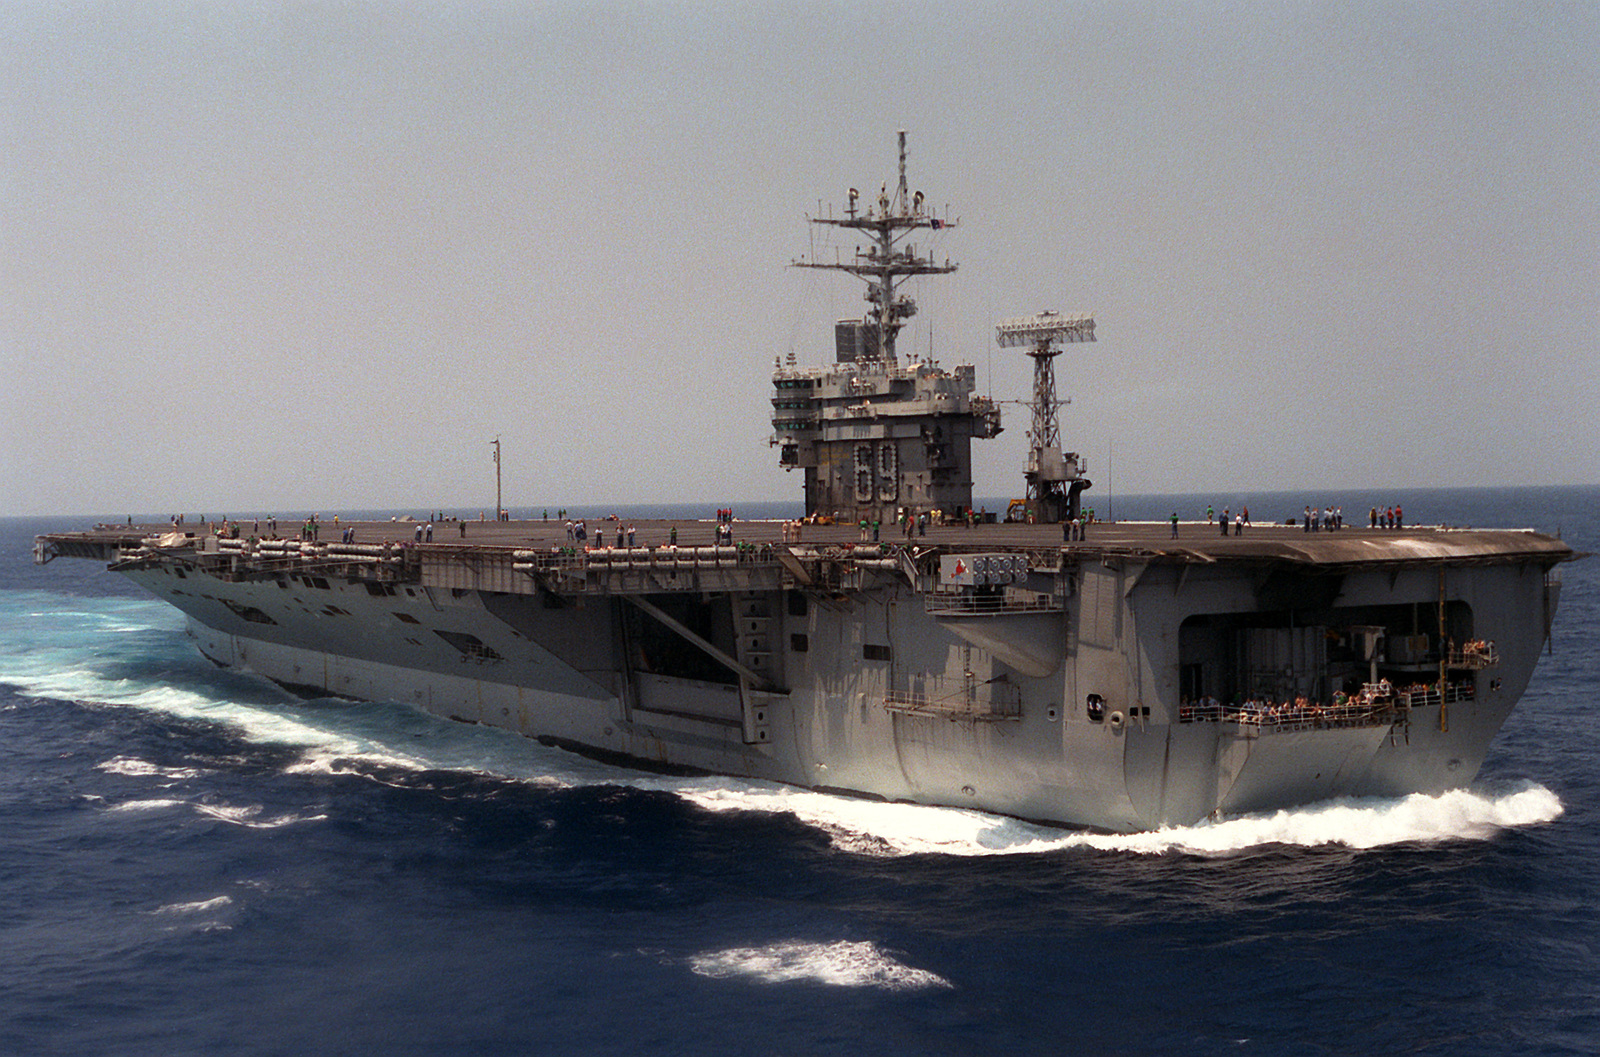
(874, 828)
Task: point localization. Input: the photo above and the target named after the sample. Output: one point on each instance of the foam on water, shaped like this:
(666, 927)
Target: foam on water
(201, 915)
(135, 768)
(875, 828)
(199, 906)
(839, 964)
(249, 816)
(354, 738)
(146, 805)
(61, 653)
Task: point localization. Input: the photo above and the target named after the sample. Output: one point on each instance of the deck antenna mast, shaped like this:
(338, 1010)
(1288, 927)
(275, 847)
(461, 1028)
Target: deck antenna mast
(884, 264)
(1055, 478)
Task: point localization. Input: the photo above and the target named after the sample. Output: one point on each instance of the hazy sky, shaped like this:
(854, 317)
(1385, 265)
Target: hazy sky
(302, 256)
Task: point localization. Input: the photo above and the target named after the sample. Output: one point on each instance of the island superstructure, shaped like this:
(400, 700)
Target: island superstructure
(1140, 676)
(877, 438)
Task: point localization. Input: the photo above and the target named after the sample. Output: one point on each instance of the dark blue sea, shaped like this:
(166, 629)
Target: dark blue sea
(195, 862)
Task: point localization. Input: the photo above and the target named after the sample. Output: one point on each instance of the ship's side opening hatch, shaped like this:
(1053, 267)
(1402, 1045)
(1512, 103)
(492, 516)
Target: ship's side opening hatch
(660, 649)
(1327, 665)
(704, 657)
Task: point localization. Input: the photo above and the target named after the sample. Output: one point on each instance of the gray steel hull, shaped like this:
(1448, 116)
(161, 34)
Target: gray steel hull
(868, 677)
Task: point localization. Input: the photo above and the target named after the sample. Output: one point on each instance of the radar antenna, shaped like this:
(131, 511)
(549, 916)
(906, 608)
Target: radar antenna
(1055, 478)
(884, 264)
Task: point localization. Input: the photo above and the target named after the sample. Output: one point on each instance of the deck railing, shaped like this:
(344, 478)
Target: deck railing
(1474, 656)
(1378, 704)
(952, 699)
(955, 603)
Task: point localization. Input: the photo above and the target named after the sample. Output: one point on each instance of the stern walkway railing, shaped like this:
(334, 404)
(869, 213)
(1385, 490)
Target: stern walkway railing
(1378, 704)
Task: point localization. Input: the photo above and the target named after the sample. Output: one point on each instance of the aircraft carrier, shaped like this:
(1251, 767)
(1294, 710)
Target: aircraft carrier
(893, 644)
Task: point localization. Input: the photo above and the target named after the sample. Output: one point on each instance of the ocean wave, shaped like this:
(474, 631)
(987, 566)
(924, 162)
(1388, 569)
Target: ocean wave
(883, 829)
(1362, 823)
(136, 768)
(249, 816)
(201, 915)
(197, 907)
(145, 805)
(838, 964)
(95, 680)
(69, 661)
(52, 617)
(333, 761)
(873, 827)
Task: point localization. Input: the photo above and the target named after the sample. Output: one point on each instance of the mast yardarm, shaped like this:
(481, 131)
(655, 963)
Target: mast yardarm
(884, 263)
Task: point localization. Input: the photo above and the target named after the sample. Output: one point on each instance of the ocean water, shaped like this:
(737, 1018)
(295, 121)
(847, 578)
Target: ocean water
(195, 862)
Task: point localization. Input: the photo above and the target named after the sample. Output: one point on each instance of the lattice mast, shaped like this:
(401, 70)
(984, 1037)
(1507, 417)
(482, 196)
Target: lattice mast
(1055, 478)
(884, 264)
(1046, 431)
